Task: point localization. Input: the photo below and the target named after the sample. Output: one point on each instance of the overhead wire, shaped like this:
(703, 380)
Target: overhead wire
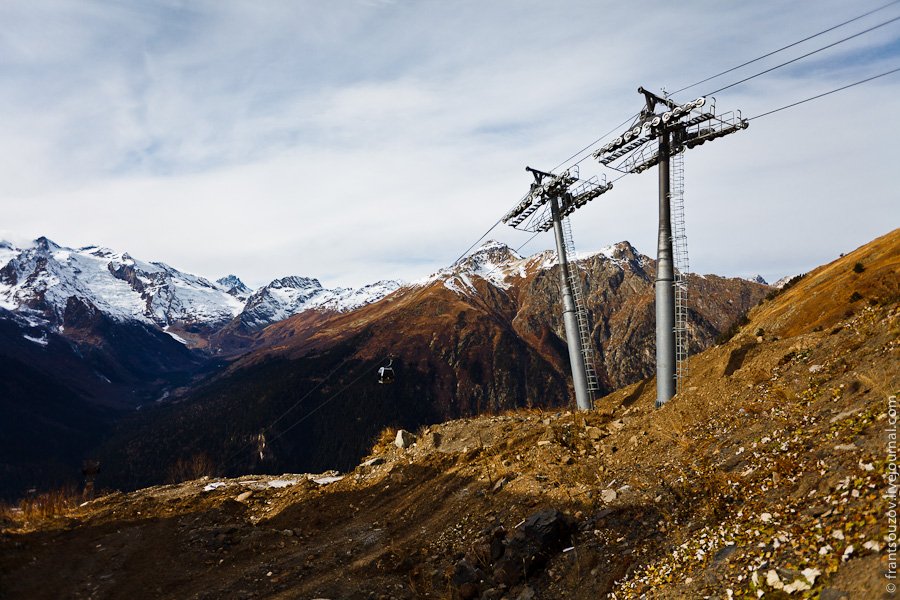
(328, 377)
(597, 141)
(817, 96)
(484, 235)
(802, 56)
(783, 48)
(588, 147)
(327, 400)
(744, 64)
(534, 235)
(269, 427)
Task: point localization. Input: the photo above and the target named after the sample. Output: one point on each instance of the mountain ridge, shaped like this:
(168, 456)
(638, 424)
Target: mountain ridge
(484, 335)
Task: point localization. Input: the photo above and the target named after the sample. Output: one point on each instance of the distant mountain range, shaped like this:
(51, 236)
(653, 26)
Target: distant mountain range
(90, 334)
(483, 335)
(39, 284)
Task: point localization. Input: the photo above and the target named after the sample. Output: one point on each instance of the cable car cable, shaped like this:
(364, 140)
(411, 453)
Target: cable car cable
(791, 45)
(316, 409)
(484, 235)
(285, 413)
(817, 96)
(766, 55)
(808, 54)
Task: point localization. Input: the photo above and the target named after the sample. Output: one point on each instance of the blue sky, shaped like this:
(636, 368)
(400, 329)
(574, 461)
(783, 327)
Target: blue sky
(362, 140)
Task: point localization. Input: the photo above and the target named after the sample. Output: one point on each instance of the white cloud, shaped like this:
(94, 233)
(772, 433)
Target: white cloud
(368, 140)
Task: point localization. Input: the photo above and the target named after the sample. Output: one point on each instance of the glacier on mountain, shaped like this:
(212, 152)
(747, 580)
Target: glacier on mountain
(38, 285)
(44, 277)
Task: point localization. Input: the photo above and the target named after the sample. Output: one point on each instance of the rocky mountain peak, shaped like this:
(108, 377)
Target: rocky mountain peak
(492, 251)
(757, 278)
(296, 282)
(234, 286)
(46, 244)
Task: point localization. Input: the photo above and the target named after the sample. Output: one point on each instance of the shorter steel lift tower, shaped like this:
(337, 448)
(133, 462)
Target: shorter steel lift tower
(675, 128)
(547, 205)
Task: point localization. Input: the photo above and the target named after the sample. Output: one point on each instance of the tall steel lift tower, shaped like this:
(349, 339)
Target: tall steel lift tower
(547, 205)
(675, 128)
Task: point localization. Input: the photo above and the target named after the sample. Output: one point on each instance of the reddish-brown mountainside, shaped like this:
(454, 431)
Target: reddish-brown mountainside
(483, 336)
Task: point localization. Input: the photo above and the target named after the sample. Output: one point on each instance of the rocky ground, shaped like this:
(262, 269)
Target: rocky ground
(766, 477)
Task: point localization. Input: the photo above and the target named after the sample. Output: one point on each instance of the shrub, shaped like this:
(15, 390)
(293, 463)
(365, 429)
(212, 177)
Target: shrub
(729, 333)
(41, 507)
(187, 469)
(855, 297)
(858, 268)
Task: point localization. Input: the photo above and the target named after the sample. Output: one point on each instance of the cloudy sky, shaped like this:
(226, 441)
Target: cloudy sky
(359, 140)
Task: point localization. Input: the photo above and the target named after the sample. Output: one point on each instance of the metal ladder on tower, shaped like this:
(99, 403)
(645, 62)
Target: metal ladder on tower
(581, 315)
(682, 268)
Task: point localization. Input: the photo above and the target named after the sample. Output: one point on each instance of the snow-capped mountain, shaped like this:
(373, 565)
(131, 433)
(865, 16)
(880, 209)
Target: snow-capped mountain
(44, 284)
(234, 286)
(42, 281)
(291, 295)
(784, 281)
(502, 266)
(757, 278)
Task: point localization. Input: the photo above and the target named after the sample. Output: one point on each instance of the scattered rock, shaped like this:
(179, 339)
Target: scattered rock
(374, 461)
(528, 548)
(244, 496)
(724, 553)
(404, 439)
(527, 593)
(848, 552)
(797, 585)
(465, 580)
(593, 433)
(811, 574)
(431, 439)
(773, 580)
(608, 495)
(844, 415)
(872, 545)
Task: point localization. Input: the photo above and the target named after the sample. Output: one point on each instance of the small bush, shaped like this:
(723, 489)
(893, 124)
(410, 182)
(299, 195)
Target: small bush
(732, 331)
(858, 268)
(188, 469)
(41, 507)
(855, 297)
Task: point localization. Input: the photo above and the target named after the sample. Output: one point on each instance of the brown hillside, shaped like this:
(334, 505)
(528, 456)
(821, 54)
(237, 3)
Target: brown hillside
(767, 477)
(833, 291)
(464, 344)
